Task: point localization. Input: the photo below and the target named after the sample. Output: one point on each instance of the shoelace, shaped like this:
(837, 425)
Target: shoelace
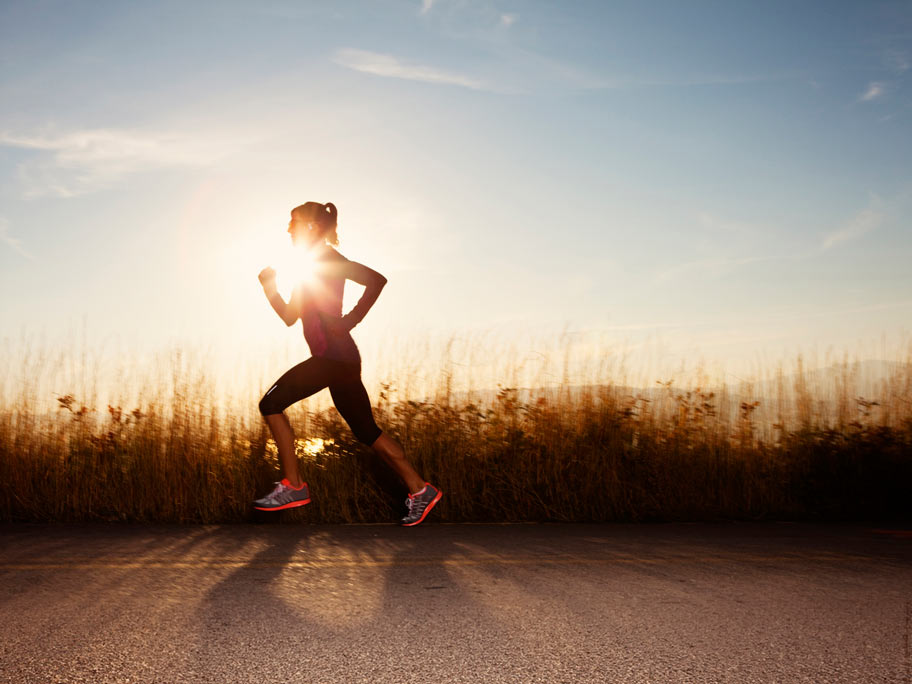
(277, 491)
(415, 505)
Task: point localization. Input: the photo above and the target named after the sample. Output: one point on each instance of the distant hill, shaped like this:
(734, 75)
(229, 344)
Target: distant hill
(863, 377)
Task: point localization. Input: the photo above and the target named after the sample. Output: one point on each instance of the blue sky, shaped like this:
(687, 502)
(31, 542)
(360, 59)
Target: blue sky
(718, 179)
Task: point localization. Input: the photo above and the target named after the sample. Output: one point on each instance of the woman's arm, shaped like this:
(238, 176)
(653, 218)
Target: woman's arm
(288, 312)
(373, 283)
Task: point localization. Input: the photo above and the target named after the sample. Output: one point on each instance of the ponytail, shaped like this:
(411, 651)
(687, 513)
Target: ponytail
(329, 217)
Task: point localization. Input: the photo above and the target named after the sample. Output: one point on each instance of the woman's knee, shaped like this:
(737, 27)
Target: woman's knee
(270, 405)
(367, 434)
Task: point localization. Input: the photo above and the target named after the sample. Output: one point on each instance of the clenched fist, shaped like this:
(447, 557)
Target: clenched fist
(267, 276)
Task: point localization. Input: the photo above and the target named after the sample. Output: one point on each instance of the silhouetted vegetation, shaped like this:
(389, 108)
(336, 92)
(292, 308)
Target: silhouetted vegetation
(600, 452)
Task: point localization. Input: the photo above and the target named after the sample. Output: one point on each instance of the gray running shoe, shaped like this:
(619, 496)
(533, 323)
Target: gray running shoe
(420, 504)
(283, 496)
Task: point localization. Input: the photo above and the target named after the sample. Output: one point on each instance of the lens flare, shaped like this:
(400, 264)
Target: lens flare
(294, 266)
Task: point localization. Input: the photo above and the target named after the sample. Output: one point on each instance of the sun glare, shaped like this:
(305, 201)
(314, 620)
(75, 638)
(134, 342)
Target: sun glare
(244, 257)
(294, 265)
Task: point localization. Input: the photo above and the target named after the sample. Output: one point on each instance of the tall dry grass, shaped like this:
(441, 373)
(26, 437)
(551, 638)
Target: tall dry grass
(793, 444)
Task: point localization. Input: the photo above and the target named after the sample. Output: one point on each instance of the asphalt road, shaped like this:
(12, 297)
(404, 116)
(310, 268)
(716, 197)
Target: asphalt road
(455, 603)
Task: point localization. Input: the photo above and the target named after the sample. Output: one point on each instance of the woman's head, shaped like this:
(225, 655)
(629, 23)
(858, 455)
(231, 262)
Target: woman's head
(312, 222)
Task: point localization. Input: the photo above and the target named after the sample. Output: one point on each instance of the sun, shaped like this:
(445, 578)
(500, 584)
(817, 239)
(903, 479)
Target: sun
(247, 253)
(294, 266)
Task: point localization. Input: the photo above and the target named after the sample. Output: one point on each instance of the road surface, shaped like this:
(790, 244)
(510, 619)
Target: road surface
(455, 603)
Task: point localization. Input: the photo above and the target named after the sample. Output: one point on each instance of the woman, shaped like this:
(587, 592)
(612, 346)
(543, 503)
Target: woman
(335, 361)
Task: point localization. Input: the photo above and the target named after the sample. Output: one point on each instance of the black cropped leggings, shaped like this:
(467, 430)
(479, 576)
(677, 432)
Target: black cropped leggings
(344, 381)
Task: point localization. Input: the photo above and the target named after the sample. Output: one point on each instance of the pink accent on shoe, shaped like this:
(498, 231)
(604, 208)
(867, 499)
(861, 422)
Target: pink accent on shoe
(293, 504)
(426, 510)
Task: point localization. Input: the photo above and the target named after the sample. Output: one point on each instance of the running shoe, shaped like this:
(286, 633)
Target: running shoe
(283, 496)
(420, 503)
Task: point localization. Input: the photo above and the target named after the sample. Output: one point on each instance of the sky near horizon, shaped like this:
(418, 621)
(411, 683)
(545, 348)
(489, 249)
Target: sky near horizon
(722, 180)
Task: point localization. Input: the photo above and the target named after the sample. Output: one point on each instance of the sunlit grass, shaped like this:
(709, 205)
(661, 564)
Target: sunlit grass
(306, 449)
(572, 441)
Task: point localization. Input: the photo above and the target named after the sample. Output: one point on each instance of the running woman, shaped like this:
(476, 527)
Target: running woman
(335, 362)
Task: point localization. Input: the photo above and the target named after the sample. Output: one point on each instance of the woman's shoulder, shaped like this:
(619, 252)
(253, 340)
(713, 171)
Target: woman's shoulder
(332, 254)
(334, 265)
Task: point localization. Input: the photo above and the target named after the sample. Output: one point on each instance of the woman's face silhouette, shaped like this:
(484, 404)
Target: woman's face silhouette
(304, 230)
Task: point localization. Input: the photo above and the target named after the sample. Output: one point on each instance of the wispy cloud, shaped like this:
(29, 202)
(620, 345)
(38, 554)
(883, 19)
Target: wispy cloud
(862, 223)
(379, 64)
(83, 161)
(13, 243)
(728, 244)
(897, 60)
(729, 226)
(513, 64)
(875, 90)
(714, 267)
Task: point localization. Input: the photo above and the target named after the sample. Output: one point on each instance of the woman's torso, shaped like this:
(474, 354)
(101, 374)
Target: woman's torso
(322, 304)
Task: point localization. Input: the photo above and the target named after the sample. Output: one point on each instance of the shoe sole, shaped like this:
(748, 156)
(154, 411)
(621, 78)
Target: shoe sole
(426, 510)
(293, 504)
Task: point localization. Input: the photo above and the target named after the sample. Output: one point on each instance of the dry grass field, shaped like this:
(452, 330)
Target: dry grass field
(797, 444)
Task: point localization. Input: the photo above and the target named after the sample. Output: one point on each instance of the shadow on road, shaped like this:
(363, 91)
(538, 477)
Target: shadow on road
(325, 601)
